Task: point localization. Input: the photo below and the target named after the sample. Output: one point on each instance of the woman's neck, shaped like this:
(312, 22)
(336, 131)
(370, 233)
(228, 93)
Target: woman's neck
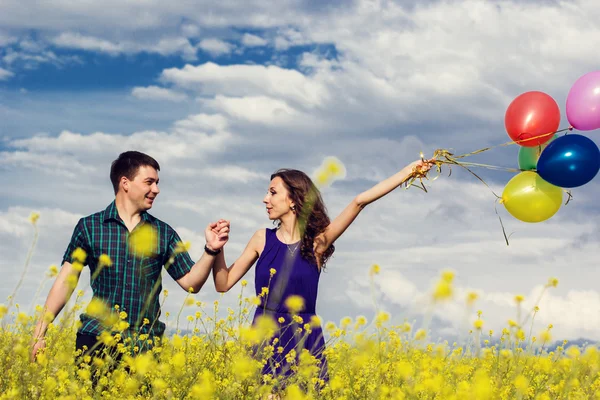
(289, 230)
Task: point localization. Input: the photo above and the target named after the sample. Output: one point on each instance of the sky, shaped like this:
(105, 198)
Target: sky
(224, 93)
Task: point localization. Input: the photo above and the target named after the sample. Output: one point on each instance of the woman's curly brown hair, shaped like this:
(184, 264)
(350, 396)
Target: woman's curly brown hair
(310, 209)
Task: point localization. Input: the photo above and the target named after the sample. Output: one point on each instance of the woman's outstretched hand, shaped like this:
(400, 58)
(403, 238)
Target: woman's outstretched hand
(422, 165)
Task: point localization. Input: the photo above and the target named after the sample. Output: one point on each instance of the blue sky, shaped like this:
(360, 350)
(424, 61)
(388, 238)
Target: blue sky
(224, 98)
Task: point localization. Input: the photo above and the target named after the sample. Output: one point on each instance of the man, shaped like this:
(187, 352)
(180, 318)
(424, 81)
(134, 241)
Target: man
(126, 248)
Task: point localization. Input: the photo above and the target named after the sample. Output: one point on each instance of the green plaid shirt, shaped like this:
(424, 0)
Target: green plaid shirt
(129, 281)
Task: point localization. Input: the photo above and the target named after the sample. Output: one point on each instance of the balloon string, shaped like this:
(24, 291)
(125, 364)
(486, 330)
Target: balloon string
(443, 156)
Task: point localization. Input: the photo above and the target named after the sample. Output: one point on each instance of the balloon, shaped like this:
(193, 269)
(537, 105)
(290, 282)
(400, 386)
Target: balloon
(528, 156)
(569, 161)
(529, 115)
(583, 102)
(529, 198)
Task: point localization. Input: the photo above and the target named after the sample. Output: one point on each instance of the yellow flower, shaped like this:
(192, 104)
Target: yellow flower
(189, 301)
(143, 241)
(52, 271)
(374, 269)
(519, 299)
(244, 283)
(294, 303)
(330, 326)
(420, 334)
(334, 167)
(3, 310)
(545, 336)
(272, 271)
(182, 247)
(552, 282)
(84, 374)
(471, 297)
(512, 323)
(404, 370)
(330, 170)
(143, 363)
(205, 388)
(79, 255)
(448, 276)
(345, 322)
(443, 290)
(361, 321)
(478, 324)
(72, 281)
(521, 384)
(315, 321)
(33, 217)
(381, 318)
(178, 360)
(322, 178)
(281, 320)
(104, 260)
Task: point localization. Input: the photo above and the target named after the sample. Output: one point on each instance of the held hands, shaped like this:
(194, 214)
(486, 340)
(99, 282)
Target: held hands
(217, 234)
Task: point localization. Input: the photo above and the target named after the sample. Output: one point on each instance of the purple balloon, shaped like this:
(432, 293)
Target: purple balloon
(583, 102)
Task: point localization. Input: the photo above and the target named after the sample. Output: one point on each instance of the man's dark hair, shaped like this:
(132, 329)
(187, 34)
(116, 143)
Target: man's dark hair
(128, 164)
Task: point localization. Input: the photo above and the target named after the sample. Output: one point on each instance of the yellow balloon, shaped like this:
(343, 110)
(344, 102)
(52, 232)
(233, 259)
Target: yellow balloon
(529, 198)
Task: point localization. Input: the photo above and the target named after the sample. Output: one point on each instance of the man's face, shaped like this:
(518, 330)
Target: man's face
(143, 189)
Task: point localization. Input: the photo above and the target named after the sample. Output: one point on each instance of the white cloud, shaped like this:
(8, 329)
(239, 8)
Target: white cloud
(5, 74)
(6, 40)
(82, 42)
(163, 46)
(215, 47)
(258, 109)
(250, 40)
(158, 93)
(190, 30)
(249, 80)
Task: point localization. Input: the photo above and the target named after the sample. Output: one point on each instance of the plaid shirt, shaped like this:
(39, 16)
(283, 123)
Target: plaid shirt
(129, 281)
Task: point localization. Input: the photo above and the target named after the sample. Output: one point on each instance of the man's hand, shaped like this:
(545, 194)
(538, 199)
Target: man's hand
(38, 345)
(217, 234)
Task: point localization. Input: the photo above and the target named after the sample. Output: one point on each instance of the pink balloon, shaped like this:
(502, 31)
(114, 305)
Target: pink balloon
(583, 102)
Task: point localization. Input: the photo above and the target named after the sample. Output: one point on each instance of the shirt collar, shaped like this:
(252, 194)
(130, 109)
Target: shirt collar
(111, 212)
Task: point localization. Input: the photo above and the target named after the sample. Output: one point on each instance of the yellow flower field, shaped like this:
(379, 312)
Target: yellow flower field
(366, 361)
(215, 355)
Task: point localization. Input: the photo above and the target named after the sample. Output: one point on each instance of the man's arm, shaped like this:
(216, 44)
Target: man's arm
(196, 278)
(57, 298)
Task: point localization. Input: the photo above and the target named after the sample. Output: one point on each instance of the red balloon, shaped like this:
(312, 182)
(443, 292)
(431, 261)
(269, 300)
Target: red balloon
(529, 115)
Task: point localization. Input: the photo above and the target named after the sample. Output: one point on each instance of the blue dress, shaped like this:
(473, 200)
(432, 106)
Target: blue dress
(294, 276)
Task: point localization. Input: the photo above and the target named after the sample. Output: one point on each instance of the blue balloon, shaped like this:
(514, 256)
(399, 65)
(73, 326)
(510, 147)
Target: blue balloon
(569, 161)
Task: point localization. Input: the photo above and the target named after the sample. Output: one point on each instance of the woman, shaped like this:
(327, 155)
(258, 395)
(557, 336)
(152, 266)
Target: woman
(292, 255)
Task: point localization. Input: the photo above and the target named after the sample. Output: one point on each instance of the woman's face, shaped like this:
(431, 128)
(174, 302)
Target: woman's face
(277, 200)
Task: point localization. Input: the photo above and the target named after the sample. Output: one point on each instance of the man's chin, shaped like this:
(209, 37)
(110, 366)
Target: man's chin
(148, 204)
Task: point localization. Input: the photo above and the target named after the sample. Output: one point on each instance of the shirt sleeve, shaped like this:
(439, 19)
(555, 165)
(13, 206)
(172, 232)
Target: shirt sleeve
(78, 240)
(182, 263)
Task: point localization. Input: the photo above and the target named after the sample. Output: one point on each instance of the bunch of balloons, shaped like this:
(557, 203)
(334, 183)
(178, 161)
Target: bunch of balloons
(549, 163)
